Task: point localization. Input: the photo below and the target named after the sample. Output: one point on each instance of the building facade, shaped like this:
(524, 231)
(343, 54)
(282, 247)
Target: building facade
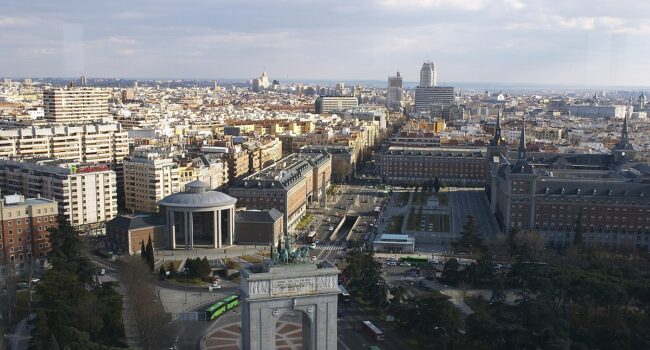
(24, 224)
(428, 75)
(149, 176)
(288, 186)
(426, 97)
(86, 193)
(394, 92)
(419, 165)
(91, 143)
(608, 195)
(126, 233)
(262, 227)
(329, 104)
(75, 105)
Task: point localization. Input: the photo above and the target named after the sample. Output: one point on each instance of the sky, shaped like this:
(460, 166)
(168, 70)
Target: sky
(571, 42)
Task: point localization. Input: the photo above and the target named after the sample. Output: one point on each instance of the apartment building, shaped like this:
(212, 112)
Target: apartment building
(288, 186)
(90, 143)
(86, 193)
(75, 105)
(209, 168)
(344, 160)
(23, 228)
(149, 176)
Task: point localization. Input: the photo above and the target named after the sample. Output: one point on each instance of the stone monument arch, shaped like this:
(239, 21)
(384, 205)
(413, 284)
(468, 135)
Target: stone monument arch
(306, 288)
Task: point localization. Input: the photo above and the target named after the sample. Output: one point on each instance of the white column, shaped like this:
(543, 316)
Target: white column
(191, 233)
(185, 228)
(231, 225)
(172, 229)
(219, 227)
(215, 225)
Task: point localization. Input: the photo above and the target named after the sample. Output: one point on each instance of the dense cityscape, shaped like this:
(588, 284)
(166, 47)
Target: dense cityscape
(271, 213)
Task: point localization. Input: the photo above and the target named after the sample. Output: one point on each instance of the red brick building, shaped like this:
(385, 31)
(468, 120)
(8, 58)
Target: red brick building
(23, 228)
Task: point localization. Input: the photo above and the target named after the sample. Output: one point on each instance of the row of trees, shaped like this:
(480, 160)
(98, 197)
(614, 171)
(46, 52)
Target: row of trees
(145, 312)
(74, 310)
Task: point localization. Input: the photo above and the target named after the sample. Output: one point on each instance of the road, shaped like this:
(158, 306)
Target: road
(472, 201)
(357, 199)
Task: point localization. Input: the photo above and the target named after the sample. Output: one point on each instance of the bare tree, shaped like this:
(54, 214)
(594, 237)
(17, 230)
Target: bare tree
(148, 314)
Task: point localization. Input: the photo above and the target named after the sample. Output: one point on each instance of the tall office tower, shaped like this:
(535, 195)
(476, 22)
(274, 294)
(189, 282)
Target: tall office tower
(75, 105)
(83, 81)
(135, 84)
(394, 92)
(261, 83)
(428, 75)
(149, 176)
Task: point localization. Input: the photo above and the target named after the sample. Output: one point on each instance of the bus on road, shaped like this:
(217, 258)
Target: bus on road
(344, 296)
(311, 237)
(373, 331)
(215, 310)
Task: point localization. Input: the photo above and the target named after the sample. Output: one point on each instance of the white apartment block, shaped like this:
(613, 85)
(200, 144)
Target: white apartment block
(91, 143)
(86, 194)
(75, 105)
(149, 176)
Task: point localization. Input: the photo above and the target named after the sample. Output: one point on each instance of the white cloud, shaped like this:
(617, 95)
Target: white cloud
(465, 5)
(6, 21)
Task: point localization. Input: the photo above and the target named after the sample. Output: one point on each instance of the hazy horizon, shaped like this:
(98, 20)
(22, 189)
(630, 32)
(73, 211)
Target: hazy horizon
(580, 43)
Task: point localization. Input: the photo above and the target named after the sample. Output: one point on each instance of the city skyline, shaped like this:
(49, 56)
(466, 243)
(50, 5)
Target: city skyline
(508, 41)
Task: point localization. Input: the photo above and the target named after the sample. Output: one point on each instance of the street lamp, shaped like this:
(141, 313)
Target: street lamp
(446, 334)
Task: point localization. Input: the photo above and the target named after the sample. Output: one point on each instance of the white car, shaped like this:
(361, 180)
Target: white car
(331, 228)
(312, 246)
(214, 286)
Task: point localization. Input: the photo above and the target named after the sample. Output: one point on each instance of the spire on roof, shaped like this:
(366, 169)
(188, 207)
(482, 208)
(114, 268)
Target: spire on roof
(625, 121)
(522, 140)
(497, 140)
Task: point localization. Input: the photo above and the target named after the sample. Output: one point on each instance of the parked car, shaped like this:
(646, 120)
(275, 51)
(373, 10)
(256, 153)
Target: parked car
(391, 263)
(312, 246)
(331, 228)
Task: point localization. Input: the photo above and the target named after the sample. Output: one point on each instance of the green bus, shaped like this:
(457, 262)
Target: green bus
(217, 309)
(231, 301)
(221, 307)
(415, 260)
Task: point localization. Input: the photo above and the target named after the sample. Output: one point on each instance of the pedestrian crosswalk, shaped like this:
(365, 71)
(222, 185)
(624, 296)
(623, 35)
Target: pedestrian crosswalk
(329, 246)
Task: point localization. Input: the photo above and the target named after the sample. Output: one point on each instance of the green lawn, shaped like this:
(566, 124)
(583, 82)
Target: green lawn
(401, 198)
(304, 222)
(395, 225)
(443, 197)
(421, 197)
(428, 222)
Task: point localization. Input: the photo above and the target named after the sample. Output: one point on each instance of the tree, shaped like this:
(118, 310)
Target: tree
(149, 254)
(206, 269)
(143, 251)
(577, 232)
(436, 185)
(149, 317)
(498, 295)
(470, 240)
(528, 245)
(75, 310)
(451, 272)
